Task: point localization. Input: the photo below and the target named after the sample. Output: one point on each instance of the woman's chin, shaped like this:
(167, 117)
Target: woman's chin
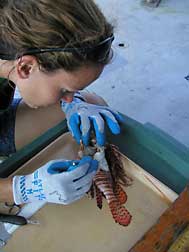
(32, 106)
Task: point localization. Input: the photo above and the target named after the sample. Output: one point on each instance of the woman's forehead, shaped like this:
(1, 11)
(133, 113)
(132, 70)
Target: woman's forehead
(79, 79)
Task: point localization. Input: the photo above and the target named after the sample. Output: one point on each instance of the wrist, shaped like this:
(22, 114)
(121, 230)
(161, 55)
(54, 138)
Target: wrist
(79, 96)
(28, 188)
(18, 190)
(6, 192)
(66, 106)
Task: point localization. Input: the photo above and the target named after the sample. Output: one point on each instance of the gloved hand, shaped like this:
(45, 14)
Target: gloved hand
(58, 181)
(82, 117)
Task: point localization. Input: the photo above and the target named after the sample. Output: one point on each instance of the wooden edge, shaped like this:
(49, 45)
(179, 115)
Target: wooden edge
(173, 221)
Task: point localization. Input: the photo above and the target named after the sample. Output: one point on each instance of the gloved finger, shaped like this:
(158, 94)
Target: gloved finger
(84, 160)
(78, 194)
(85, 129)
(93, 166)
(74, 124)
(119, 117)
(82, 182)
(116, 114)
(59, 166)
(73, 199)
(111, 121)
(85, 138)
(98, 123)
(81, 168)
(83, 190)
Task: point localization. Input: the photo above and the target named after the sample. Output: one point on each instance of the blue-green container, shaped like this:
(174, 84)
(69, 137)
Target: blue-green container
(158, 153)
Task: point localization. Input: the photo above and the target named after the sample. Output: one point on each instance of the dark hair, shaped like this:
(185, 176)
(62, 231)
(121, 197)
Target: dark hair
(35, 24)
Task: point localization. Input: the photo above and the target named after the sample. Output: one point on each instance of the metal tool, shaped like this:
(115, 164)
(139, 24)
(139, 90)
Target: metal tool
(7, 228)
(16, 219)
(12, 220)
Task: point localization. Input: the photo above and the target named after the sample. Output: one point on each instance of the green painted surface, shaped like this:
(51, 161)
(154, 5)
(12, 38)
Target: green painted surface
(158, 153)
(148, 146)
(20, 157)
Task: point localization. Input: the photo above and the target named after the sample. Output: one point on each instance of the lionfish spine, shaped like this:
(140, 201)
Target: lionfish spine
(99, 196)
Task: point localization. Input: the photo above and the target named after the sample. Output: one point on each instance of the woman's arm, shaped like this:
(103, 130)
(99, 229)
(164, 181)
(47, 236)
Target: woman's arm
(6, 194)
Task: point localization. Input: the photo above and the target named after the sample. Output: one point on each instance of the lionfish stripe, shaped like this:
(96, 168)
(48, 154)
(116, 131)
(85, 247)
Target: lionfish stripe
(120, 194)
(98, 197)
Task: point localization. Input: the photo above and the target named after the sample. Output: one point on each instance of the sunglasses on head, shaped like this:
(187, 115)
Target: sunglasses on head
(100, 52)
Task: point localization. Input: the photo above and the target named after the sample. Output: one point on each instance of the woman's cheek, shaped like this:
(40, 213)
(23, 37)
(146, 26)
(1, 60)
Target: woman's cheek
(51, 98)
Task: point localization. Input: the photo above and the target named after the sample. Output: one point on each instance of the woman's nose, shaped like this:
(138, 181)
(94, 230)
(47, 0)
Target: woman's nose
(68, 97)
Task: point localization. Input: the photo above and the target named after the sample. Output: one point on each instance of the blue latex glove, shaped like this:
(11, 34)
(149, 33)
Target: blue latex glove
(70, 165)
(58, 181)
(82, 117)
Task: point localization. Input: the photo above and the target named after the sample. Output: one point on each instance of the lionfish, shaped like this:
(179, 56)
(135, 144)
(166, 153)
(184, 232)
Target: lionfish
(109, 180)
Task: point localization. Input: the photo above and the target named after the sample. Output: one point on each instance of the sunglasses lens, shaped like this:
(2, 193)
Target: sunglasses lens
(102, 52)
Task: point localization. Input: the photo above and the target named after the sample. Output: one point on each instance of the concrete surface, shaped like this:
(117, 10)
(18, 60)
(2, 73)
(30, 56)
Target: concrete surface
(146, 79)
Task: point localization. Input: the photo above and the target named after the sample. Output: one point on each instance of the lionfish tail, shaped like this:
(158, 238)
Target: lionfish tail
(120, 213)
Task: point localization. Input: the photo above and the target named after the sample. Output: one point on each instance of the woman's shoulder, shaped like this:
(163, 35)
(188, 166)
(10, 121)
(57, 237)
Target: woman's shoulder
(6, 93)
(2, 80)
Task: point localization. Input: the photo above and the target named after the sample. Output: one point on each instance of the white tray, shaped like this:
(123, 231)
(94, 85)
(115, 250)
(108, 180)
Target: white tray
(81, 226)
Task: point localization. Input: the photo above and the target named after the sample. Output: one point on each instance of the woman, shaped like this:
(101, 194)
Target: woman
(50, 50)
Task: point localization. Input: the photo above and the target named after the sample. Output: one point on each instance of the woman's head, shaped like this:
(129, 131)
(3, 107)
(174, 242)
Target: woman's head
(75, 24)
(27, 24)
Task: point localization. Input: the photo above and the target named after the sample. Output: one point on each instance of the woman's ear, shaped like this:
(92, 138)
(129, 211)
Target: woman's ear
(25, 66)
